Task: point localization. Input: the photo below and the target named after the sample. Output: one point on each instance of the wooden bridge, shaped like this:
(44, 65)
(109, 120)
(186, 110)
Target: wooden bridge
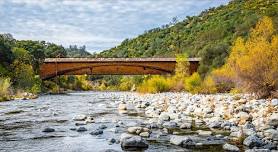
(53, 67)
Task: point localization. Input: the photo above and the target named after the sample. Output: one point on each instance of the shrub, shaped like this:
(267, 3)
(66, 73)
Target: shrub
(255, 61)
(193, 83)
(154, 85)
(224, 79)
(83, 83)
(126, 84)
(4, 87)
(208, 86)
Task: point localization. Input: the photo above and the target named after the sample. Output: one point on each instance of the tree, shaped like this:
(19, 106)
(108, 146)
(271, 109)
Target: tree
(255, 61)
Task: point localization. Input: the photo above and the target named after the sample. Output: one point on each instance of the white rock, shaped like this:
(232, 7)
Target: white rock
(80, 117)
(204, 133)
(122, 106)
(273, 120)
(230, 148)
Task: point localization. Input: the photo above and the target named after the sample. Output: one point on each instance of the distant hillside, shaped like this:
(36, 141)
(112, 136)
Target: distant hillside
(209, 35)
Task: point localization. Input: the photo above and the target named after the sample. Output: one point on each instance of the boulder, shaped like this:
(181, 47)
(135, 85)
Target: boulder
(144, 134)
(164, 117)
(134, 143)
(257, 150)
(97, 132)
(230, 148)
(111, 140)
(102, 126)
(81, 129)
(48, 130)
(273, 120)
(271, 134)
(134, 130)
(122, 106)
(108, 150)
(80, 118)
(204, 133)
(186, 126)
(170, 125)
(253, 141)
(125, 135)
(178, 140)
(274, 102)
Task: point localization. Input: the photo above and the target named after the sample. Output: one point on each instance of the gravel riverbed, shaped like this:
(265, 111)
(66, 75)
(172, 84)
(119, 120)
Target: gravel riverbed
(126, 121)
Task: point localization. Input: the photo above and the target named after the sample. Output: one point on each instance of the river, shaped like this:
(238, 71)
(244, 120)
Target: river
(22, 122)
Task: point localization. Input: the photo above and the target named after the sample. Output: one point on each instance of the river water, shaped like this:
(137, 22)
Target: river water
(22, 122)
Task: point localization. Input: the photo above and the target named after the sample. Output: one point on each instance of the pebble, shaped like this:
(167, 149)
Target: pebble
(47, 130)
(97, 132)
(81, 129)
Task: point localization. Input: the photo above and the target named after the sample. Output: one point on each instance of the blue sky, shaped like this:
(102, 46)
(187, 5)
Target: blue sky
(98, 24)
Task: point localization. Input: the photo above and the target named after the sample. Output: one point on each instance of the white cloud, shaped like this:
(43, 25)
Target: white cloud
(96, 23)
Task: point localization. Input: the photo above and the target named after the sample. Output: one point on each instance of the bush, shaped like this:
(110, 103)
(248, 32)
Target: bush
(4, 87)
(208, 86)
(126, 84)
(255, 61)
(155, 84)
(193, 83)
(224, 79)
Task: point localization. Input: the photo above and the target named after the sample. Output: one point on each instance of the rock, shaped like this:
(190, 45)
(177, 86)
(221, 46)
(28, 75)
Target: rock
(257, 150)
(164, 117)
(178, 140)
(80, 117)
(248, 125)
(237, 134)
(273, 120)
(144, 134)
(274, 102)
(185, 126)
(97, 132)
(189, 143)
(249, 132)
(170, 125)
(122, 106)
(125, 135)
(243, 116)
(81, 129)
(89, 120)
(112, 140)
(123, 111)
(80, 123)
(108, 150)
(271, 134)
(204, 133)
(48, 130)
(230, 148)
(102, 126)
(253, 141)
(134, 130)
(134, 143)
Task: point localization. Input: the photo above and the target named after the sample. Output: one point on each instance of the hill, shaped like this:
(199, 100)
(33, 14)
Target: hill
(208, 35)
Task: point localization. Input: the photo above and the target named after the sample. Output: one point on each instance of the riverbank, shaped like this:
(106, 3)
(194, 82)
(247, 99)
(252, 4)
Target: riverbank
(247, 123)
(21, 96)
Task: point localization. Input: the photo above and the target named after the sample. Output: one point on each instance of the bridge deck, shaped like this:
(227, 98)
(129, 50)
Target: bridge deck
(65, 60)
(111, 66)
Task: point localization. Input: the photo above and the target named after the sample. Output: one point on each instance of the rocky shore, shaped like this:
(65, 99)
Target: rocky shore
(156, 122)
(234, 122)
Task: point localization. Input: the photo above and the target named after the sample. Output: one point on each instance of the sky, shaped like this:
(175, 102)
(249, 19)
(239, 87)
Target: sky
(98, 24)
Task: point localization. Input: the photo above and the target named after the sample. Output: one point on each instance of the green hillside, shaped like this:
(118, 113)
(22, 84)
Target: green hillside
(209, 35)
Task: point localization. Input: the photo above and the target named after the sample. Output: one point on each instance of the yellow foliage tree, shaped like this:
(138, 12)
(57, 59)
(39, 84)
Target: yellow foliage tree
(253, 63)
